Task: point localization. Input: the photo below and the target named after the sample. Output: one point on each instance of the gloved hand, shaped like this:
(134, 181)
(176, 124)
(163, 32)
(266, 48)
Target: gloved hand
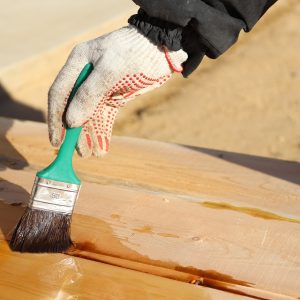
(126, 64)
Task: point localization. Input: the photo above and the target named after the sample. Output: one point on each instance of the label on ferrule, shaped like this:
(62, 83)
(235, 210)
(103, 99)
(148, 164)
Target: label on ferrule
(54, 196)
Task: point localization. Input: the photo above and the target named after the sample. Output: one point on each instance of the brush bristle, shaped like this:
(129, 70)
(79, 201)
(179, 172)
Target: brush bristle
(42, 231)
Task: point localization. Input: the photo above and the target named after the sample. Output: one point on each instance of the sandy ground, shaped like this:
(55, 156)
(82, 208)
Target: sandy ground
(30, 27)
(246, 101)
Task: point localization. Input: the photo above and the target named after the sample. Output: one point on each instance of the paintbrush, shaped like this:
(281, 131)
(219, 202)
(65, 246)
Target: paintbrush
(45, 224)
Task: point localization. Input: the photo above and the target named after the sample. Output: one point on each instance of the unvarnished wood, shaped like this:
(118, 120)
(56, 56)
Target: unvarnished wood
(181, 213)
(211, 175)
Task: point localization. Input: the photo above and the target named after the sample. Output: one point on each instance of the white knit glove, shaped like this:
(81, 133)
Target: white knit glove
(126, 64)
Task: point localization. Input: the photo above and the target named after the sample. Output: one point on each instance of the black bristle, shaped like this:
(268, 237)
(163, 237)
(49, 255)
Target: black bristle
(42, 231)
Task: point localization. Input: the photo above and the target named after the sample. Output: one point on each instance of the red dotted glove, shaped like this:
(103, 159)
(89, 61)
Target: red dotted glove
(126, 64)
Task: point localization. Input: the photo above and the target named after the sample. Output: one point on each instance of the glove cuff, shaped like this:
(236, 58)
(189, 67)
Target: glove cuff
(160, 32)
(175, 59)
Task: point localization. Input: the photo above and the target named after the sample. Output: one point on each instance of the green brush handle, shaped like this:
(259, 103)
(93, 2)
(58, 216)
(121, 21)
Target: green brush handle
(61, 168)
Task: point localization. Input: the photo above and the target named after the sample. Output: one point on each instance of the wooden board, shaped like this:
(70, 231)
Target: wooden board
(226, 221)
(58, 276)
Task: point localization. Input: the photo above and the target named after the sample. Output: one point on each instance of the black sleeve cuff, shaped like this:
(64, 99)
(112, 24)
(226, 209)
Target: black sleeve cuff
(158, 31)
(172, 36)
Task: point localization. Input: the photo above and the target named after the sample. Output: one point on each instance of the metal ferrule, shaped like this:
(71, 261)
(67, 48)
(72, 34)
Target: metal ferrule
(53, 195)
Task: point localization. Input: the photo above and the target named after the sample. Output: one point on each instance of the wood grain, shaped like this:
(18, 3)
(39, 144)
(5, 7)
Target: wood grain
(44, 276)
(176, 212)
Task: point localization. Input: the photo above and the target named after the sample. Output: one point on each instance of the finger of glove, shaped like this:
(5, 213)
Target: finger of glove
(87, 100)
(102, 130)
(60, 91)
(85, 143)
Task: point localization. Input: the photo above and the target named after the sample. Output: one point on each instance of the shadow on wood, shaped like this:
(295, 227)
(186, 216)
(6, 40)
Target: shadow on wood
(9, 156)
(13, 199)
(283, 169)
(12, 109)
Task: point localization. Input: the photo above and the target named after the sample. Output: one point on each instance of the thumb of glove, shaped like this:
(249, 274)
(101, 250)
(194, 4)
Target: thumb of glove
(86, 100)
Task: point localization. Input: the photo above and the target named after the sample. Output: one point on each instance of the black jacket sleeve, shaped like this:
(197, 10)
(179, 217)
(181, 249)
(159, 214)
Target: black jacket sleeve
(200, 27)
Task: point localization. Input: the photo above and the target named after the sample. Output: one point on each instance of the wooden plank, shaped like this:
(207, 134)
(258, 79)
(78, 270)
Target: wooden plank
(130, 215)
(123, 238)
(268, 184)
(44, 276)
